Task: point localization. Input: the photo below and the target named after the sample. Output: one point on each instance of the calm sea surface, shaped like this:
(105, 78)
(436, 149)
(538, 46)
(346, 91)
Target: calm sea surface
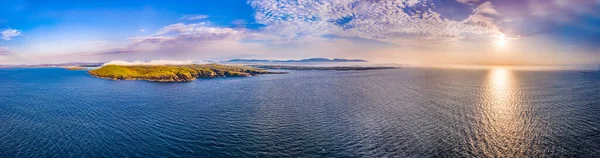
(388, 113)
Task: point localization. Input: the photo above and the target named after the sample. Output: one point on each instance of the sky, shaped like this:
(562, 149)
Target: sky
(426, 32)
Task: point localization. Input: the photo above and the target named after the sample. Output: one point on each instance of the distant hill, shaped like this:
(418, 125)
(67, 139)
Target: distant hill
(75, 64)
(303, 60)
(248, 60)
(71, 64)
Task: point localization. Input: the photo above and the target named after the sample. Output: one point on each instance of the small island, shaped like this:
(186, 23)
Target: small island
(175, 73)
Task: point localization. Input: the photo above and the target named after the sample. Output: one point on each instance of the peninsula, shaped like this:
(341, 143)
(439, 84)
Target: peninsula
(175, 73)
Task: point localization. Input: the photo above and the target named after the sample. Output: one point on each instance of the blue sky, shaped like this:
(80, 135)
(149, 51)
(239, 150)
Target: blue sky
(109, 20)
(498, 32)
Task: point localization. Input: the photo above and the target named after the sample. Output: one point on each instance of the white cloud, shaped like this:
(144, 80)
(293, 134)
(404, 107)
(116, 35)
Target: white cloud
(142, 30)
(486, 8)
(197, 32)
(179, 41)
(484, 21)
(194, 17)
(8, 34)
(401, 22)
(154, 62)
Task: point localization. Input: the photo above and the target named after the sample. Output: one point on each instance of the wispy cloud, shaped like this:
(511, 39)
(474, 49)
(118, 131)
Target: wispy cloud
(194, 17)
(4, 51)
(196, 32)
(483, 20)
(8, 34)
(470, 2)
(239, 22)
(8, 57)
(405, 22)
(154, 62)
(533, 17)
(190, 39)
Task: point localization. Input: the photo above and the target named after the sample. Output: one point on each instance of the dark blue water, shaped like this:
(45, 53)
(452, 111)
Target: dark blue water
(388, 113)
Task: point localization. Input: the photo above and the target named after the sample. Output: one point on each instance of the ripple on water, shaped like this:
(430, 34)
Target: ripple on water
(388, 113)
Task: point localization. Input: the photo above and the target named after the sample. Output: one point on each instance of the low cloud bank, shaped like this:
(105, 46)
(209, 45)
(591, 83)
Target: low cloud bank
(154, 62)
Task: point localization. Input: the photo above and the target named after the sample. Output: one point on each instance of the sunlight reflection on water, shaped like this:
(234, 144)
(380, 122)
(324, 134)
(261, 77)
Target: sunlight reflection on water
(504, 134)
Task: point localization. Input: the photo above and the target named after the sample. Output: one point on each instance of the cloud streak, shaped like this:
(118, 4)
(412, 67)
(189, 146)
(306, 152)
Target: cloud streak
(194, 17)
(469, 2)
(4, 51)
(186, 34)
(153, 62)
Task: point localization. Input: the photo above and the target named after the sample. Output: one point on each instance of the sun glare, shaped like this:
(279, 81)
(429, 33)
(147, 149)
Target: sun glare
(501, 42)
(499, 79)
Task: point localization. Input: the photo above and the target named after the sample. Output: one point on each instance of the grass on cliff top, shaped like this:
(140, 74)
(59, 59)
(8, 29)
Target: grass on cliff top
(176, 72)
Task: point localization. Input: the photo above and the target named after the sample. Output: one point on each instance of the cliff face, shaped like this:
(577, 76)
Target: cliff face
(179, 73)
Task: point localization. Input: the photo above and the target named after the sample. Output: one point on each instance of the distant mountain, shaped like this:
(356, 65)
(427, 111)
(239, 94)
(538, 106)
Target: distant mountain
(71, 64)
(303, 60)
(247, 60)
(77, 64)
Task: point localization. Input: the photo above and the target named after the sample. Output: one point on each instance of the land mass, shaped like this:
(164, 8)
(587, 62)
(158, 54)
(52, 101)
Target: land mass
(175, 73)
(337, 68)
(295, 61)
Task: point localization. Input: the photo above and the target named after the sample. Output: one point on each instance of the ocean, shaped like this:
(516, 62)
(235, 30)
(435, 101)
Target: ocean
(409, 112)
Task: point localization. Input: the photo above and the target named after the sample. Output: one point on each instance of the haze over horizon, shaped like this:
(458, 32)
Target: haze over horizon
(426, 32)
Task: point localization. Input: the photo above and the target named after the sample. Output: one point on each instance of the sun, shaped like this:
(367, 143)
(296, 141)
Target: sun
(501, 42)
